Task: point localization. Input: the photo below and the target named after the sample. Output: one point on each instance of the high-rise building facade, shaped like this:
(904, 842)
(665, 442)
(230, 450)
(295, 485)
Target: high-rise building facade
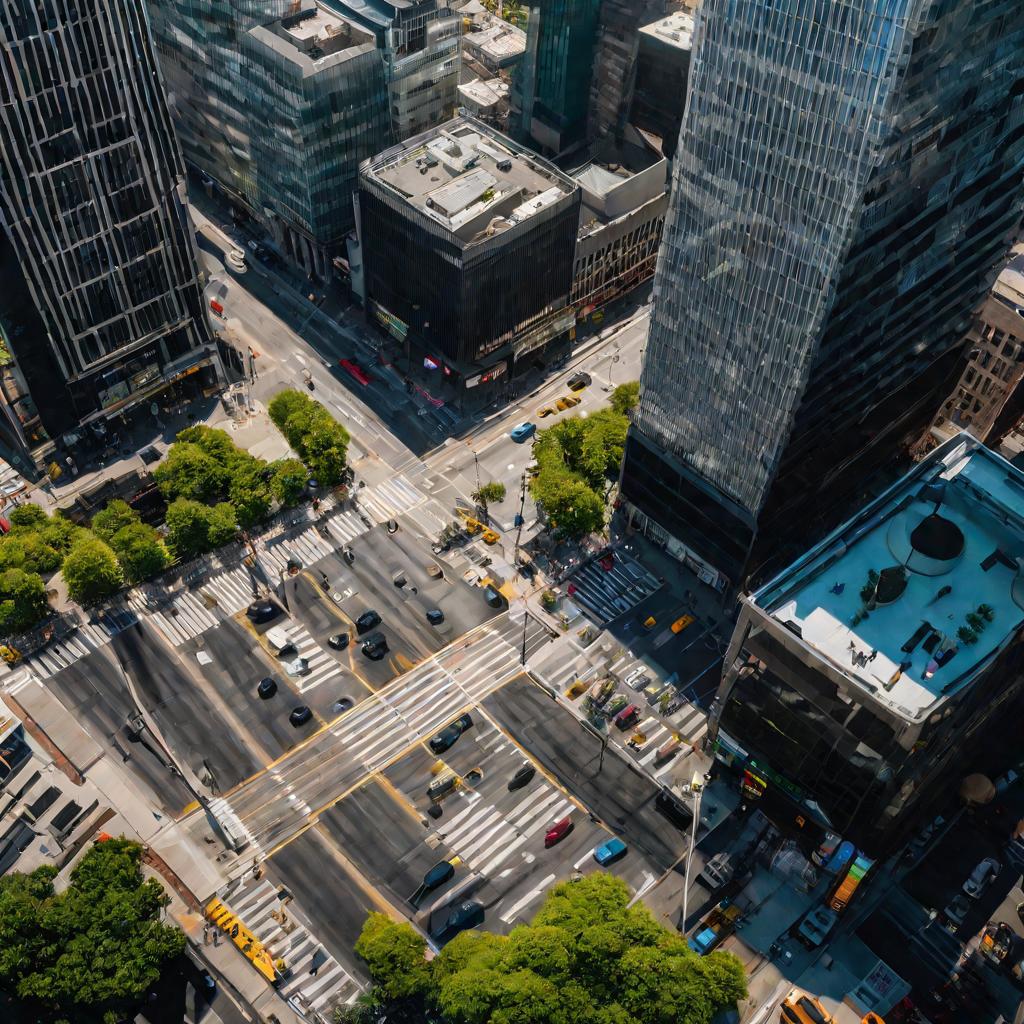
(551, 89)
(278, 102)
(847, 182)
(101, 305)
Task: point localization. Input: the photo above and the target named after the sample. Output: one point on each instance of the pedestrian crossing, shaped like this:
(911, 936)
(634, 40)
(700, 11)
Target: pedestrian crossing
(309, 546)
(189, 615)
(689, 723)
(390, 499)
(313, 979)
(232, 590)
(61, 654)
(322, 667)
(18, 679)
(607, 593)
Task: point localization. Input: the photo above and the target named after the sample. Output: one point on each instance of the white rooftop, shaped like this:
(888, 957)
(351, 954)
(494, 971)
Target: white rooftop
(955, 524)
(674, 30)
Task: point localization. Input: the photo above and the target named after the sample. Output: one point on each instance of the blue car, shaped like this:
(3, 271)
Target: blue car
(523, 431)
(610, 851)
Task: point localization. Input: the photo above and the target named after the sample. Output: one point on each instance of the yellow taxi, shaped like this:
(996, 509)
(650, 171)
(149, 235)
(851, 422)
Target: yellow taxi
(548, 410)
(567, 402)
(681, 623)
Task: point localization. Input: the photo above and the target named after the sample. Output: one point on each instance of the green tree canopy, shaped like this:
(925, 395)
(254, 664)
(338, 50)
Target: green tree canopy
(319, 439)
(22, 600)
(29, 514)
(26, 549)
(141, 551)
(97, 945)
(108, 521)
(288, 483)
(587, 958)
(249, 493)
(193, 528)
(189, 472)
(491, 492)
(91, 571)
(626, 396)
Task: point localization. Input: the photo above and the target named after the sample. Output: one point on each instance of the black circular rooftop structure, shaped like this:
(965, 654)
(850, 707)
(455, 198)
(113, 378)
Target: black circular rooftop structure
(937, 538)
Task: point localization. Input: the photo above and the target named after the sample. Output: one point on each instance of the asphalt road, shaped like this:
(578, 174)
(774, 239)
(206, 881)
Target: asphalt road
(614, 791)
(183, 708)
(94, 691)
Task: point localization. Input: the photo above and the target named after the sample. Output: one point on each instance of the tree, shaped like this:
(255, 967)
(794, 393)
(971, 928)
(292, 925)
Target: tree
(587, 958)
(485, 494)
(325, 449)
(22, 600)
(91, 949)
(288, 483)
(626, 396)
(249, 493)
(27, 515)
(319, 439)
(222, 525)
(26, 549)
(394, 955)
(116, 516)
(568, 502)
(140, 551)
(91, 571)
(189, 472)
(193, 528)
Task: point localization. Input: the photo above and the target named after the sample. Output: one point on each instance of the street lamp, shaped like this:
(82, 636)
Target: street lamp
(696, 788)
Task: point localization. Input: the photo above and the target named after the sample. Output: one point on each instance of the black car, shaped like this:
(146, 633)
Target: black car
(451, 920)
(492, 597)
(367, 620)
(524, 774)
(392, 526)
(449, 734)
(300, 715)
(375, 646)
(578, 381)
(435, 616)
(261, 611)
(267, 688)
(339, 641)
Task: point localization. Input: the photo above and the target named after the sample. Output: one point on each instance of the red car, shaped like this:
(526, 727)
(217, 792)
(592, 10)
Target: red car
(557, 832)
(628, 716)
(354, 370)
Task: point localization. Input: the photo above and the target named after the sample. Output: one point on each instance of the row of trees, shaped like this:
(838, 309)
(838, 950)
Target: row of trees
(578, 462)
(320, 440)
(588, 957)
(90, 952)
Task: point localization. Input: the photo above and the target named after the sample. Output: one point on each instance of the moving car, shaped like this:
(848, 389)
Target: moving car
(567, 402)
(548, 410)
(339, 641)
(610, 851)
(435, 616)
(267, 688)
(367, 620)
(261, 611)
(981, 877)
(800, 1008)
(374, 646)
(681, 623)
(457, 918)
(523, 774)
(523, 431)
(449, 734)
(557, 832)
(300, 715)
(579, 380)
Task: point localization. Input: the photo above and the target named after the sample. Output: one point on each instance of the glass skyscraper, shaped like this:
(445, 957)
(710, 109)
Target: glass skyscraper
(847, 181)
(100, 304)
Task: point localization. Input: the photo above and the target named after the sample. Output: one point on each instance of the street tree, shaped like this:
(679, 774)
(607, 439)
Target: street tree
(492, 492)
(394, 956)
(626, 396)
(22, 600)
(108, 521)
(91, 571)
(89, 952)
(249, 492)
(26, 549)
(319, 439)
(189, 472)
(140, 551)
(222, 524)
(28, 514)
(288, 483)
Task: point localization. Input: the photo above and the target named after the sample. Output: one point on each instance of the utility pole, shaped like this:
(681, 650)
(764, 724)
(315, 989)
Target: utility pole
(522, 505)
(696, 788)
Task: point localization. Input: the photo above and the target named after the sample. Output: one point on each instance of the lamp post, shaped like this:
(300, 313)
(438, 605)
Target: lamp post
(696, 788)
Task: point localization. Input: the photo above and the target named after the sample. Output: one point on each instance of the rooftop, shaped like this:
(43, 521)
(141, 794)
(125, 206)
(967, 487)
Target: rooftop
(484, 94)
(675, 30)
(499, 40)
(469, 178)
(953, 530)
(314, 38)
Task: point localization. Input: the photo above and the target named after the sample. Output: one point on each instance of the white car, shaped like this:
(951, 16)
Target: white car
(236, 260)
(298, 667)
(637, 679)
(981, 877)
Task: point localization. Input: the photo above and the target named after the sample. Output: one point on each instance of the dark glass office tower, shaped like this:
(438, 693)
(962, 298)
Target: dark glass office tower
(847, 181)
(100, 305)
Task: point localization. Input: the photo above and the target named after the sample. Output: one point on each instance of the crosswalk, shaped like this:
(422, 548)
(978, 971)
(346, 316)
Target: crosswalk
(272, 919)
(90, 636)
(18, 679)
(322, 667)
(188, 615)
(607, 594)
(309, 546)
(232, 590)
(389, 499)
(689, 723)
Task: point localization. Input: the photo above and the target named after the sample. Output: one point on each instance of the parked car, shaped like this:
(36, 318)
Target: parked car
(637, 679)
(300, 715)
(523, 775)
(557, 832)
(449, 734)
(981, 877)
(674, 809)
(374, 646)
(681, 623)
(522, 432)
(628, 716)
(579, 380)
(567, 402)
(492, 597)
(610, 851)
(266, 688)
(367, 620)
(435, 616)
(339, 641)
(815, 926)
(547, 410)
(261, 611)
(955, 911)
(800, 1008)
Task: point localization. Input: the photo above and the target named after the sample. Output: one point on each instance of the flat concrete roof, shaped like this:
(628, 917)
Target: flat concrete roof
(954, 526)
(500, 41)
(315, 38)
(470, 178)
(675, 30)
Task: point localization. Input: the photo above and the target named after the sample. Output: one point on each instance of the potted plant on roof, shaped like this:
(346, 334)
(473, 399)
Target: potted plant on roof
(891, 584)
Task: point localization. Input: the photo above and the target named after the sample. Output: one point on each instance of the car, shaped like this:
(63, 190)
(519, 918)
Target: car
(266, 688)
(981, 877)
(298, 667)
(800, 1008)
(442, 786)
(610, 851)
(578, 381)
(816, 925)
(955, 911)
(367, 620)
(261, 611)
(346, 553)
(628, 716)
(434, 571)
(300, 715)
(547, 410)
(435, 616)
(637, 679)
(342, 704)
(398, 578)
(339, 641)
(522, 432)
(567, 402)
(438, 875)
(374, 646)
(492, 597)
(522, 776)
(449, 734)
(557, 832)
(681, 623)
(468, 914)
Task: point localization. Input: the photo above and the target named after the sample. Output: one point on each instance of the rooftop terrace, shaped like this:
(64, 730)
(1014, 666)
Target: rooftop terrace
(676, 30)
(914, 596)
(470, 179)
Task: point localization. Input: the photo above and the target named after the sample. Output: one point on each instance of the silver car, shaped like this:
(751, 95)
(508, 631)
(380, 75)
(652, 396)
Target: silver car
(981, 877)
